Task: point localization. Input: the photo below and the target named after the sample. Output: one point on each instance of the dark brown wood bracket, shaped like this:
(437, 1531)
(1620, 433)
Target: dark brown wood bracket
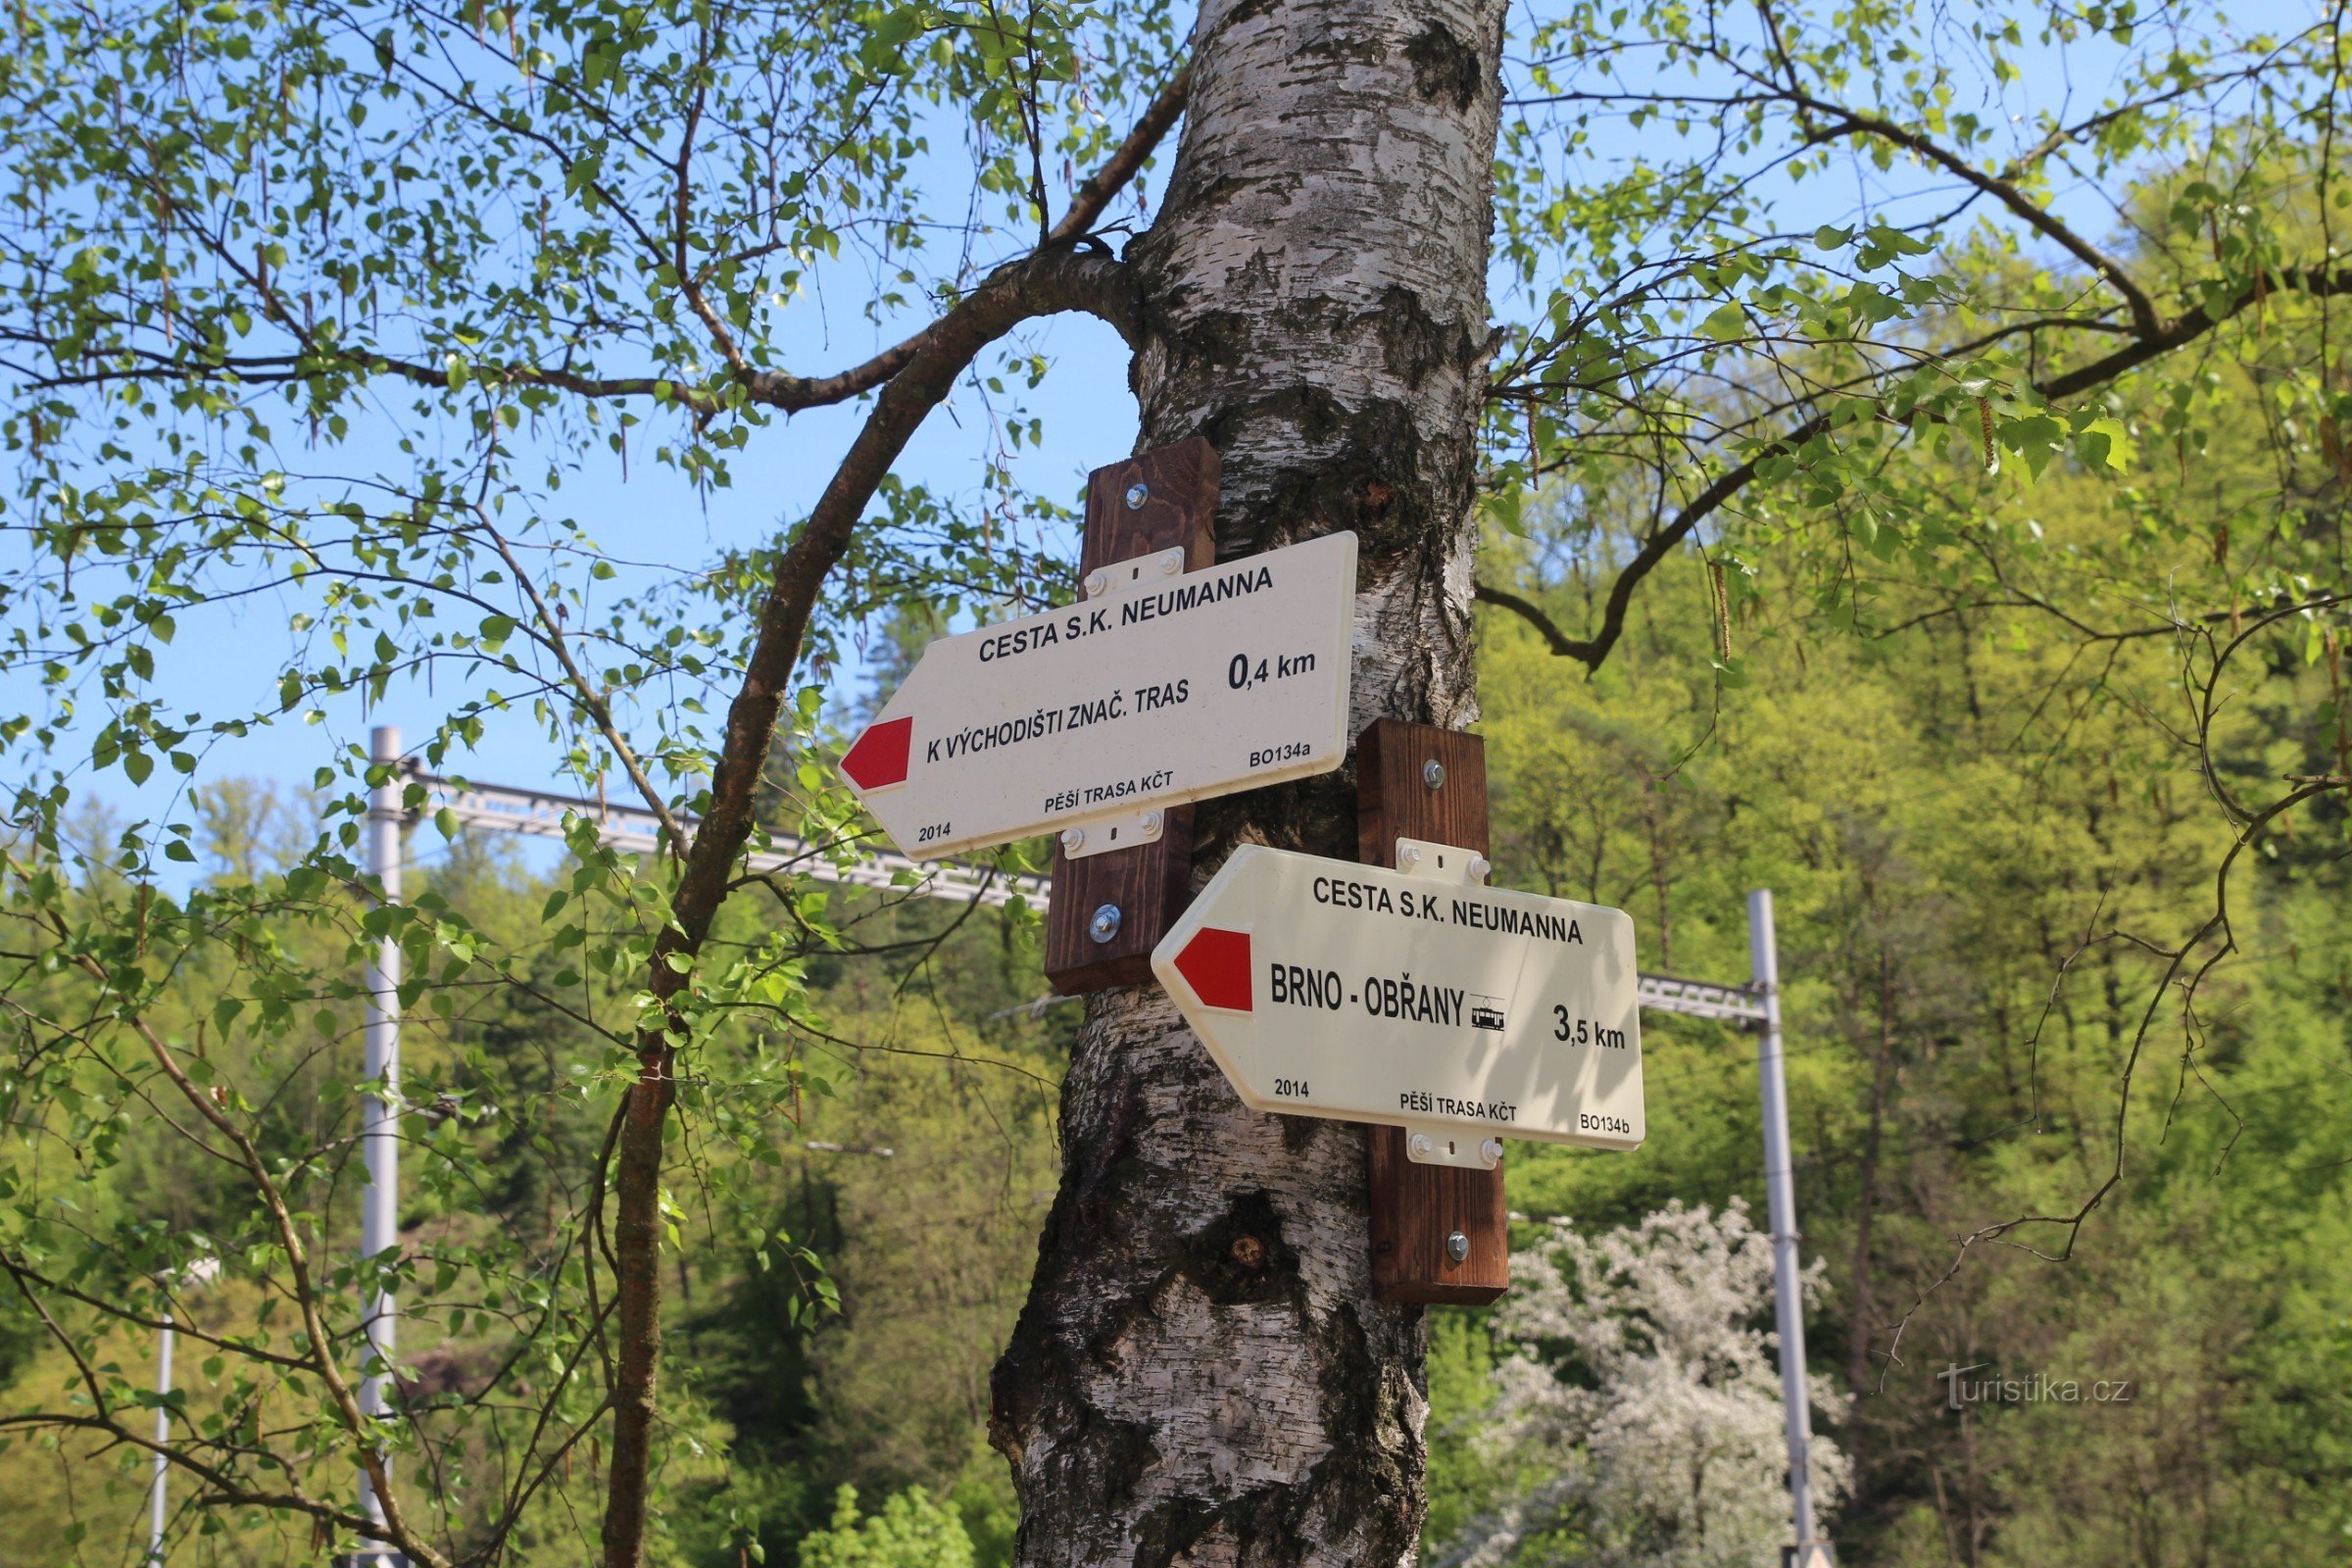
(1158, 500)
(1421, 782)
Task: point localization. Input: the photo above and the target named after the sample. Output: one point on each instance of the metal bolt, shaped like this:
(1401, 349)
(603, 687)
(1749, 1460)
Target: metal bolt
(1457, 1246)
(1421, 1147)
(1480, 865)
(1408, 856)
(1073, 839)
(1492, 1151)
(1136, 494)
(1169, 564)
(1095, 584)
(1152, 820)
(1105, 923)
(1432, 774)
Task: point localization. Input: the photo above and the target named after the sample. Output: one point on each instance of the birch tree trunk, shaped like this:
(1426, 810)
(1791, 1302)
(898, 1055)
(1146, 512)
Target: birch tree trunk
(1200, 1374)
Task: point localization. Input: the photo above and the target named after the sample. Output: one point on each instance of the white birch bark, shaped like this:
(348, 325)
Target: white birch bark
(1201, 1375)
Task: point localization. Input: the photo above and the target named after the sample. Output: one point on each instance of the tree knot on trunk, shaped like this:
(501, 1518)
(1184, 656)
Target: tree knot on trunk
(1445, 66)
(1413, 343)
(1241, 1256)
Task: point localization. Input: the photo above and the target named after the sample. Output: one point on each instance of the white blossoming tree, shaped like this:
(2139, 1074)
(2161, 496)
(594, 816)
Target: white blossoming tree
(1641, 1395)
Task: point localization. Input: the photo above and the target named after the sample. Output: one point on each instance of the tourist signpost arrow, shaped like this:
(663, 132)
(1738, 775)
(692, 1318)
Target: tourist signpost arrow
(1419, 998)
(1161, 686)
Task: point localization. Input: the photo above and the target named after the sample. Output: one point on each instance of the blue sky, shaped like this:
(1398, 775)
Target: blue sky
(236, 655)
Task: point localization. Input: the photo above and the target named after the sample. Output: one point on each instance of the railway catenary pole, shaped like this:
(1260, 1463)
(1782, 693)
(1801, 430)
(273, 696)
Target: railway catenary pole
(379, 1130)
(1780, 1196)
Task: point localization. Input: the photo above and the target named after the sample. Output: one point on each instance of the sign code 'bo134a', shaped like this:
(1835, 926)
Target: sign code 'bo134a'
(1421, 999)
(1163, 686)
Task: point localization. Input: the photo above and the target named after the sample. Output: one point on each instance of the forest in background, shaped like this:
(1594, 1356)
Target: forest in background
(1961, 703)
(1982, 825)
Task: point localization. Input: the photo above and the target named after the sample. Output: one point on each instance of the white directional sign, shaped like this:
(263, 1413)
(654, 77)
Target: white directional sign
(1466, 1013)
(1163, 686)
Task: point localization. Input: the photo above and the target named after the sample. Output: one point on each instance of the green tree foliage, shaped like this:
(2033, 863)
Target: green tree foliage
(773, 1406)
(911, 1532)
(1992, 831)
(1714, 357)
(336, 304)
(1941, 484)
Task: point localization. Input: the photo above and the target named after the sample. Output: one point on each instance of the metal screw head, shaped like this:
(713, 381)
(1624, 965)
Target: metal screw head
(1073, 839)
(1457, 1246)
(1408, 856)
(1167, 565)
(1151, 821)
(1480, 865)
(1105, 923)
(1421, 1145)
(1492, 1151)
(1095, 583)
(1136, 494)
(1432, 774)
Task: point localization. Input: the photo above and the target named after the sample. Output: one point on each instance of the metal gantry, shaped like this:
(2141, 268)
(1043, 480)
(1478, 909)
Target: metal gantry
(1701, 998)
(633, 829)
(541, 813)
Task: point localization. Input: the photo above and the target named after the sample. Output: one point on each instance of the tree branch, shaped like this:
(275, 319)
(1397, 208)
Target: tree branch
(599, 710)
(1848, 123)
(770, 389)
(225, 1489)
(1527, 610)
(1051, 279)
(792, 392)
(395, 1527)
(2179, 334)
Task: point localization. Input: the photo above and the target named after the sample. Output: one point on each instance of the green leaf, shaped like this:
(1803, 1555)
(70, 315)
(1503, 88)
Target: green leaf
(2036, 438)
(1507, 506)
(1883, 243)
(1726, 323)
(2105, 443)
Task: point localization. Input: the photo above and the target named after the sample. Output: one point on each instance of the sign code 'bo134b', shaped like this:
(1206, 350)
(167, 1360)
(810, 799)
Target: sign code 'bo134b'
(1325, 988)
(1166, 687)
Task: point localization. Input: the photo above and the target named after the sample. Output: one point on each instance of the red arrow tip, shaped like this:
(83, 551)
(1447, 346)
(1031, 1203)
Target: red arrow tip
(879, 757)
(1216, 965)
